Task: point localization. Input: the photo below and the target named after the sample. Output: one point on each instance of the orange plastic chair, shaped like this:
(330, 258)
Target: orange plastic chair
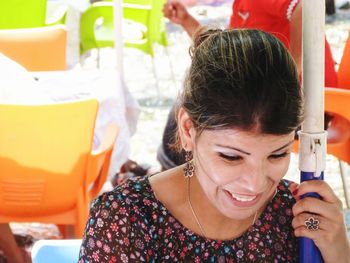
(337, 103)
(37, 49)
(49, 172)
(344, 67)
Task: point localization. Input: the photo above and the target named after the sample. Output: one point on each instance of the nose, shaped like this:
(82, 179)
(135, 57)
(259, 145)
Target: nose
(255, 178)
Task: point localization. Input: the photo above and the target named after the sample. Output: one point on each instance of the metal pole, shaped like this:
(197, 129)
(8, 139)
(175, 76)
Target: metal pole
(313, 138)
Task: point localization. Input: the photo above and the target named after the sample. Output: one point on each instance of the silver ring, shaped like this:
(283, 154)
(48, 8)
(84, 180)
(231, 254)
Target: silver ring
(312, 223)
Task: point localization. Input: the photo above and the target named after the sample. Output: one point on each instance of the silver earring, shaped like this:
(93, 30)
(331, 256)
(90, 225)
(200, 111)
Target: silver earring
(189, 167)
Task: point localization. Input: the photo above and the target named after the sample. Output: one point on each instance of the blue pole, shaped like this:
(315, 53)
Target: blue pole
(308, 251)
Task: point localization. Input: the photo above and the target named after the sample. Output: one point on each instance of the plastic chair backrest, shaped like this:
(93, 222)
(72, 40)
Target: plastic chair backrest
(144, 16)
(101, 14)
(344, 67)
(44, 152)
(337, 103)
(56, 251)
(37, 49)
(156, 23)
(97, 26)
(22, 13)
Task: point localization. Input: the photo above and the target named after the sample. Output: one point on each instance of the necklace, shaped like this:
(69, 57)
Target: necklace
(194, 213)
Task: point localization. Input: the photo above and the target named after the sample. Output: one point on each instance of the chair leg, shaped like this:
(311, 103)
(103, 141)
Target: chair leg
(156, 78)
(345, 185)
(67, 231)
(170, 65)
(98, 58)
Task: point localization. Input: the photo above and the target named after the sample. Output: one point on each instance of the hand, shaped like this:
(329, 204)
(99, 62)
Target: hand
(331, 237)
(21, 256)
(177, 13)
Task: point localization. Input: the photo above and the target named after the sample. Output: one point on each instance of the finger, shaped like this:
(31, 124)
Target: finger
(168, 11)
(327, 232)
(165, 10)
(317, 206)
(311, 220)
(316, 236)
(320, 187)
(173, 13)
(293, 188)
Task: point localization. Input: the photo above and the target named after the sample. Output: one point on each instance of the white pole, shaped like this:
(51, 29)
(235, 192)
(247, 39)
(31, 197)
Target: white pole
(313, 138)
(313, 135)
(118, 37)
(313, 64)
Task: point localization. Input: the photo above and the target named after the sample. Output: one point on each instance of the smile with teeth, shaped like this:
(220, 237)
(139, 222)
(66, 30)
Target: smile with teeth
(243, 198)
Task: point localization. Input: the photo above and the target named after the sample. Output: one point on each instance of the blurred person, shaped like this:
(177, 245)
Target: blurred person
(236, 121)
(283, 18)
(11, 251)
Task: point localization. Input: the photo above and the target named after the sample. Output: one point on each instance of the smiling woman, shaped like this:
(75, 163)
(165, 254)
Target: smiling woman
(236, 120)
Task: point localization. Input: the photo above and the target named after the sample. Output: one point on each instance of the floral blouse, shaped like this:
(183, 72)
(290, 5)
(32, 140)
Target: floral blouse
(129, 224)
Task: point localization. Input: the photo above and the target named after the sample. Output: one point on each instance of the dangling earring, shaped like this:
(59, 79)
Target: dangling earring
(189, 167)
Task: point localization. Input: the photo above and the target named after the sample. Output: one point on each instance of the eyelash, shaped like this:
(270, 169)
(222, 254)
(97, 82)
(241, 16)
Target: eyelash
(277, 156)
(237, 158)
(230, 158)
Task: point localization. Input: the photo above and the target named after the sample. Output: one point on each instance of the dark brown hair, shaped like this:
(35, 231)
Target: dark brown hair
(243, 79)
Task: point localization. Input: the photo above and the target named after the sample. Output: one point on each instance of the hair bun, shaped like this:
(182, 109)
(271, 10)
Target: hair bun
(201, 34)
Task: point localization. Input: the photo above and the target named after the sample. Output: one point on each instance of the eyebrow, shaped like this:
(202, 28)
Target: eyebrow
(247, 153)
(284, 146)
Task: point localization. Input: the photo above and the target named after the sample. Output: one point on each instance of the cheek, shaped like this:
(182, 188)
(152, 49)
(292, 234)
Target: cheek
(215, 172)
(278, 171)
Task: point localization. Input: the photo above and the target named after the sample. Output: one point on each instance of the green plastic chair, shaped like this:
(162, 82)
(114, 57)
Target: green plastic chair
(22, 13)
(26, 14)
(157, 23)
(97, 25)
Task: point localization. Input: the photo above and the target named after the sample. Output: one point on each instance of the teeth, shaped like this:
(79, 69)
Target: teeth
(243, 198)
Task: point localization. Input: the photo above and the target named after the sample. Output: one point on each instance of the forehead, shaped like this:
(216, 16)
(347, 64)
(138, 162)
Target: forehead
(235, 137)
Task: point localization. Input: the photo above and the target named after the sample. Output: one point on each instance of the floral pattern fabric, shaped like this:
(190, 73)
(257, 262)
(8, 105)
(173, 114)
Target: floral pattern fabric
(129, 224)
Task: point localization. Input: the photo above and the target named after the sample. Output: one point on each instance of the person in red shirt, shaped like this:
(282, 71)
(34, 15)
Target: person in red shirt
(281, 18)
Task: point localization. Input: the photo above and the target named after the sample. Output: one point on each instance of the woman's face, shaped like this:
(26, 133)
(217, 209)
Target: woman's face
(238, 170)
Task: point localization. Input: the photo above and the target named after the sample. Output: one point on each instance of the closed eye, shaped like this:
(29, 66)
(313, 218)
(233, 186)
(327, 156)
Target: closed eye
(230, 157)
(277, 156)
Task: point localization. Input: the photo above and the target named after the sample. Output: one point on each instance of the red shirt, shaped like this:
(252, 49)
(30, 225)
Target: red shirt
(274, 16)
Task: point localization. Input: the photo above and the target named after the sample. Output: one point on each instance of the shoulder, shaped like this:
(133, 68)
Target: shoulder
(276, 223)
(284, 198)
(117, 222)
(280, 8)
(278, 212)
(126, 197)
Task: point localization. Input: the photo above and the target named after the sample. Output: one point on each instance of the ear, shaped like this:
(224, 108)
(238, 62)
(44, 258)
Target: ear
(186, 130)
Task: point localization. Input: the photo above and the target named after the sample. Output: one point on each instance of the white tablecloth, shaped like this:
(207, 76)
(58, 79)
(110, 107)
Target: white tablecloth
(116, 103)
(17, 86)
